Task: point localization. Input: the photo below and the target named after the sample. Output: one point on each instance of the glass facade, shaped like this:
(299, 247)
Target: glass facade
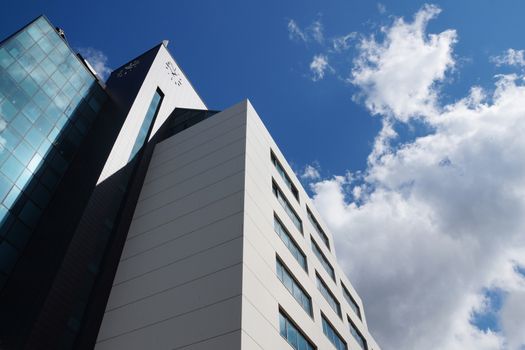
(284, 176)
(332, 335)
(323, 260)
(48, 100)
(293, 336)
(351, 301)
(327, 294)
(289, 242)
(287, 207)
(294, 287)
(147, 122)
(318, 228)
(357, 335)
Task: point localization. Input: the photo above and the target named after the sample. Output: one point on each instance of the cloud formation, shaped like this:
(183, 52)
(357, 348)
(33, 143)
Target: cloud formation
(310, 172)
(398, 76)
(511, 57)
(314, 32)
(295, 33)
(318, 66)
(433, 223)
(98, 60)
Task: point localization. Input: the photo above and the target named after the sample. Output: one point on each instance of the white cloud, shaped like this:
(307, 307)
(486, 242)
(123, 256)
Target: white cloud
(318, 66)
(381, 8)
(511, 57)
(317, 31)
(342, 43)
(98, 60)
(294, 32)
(310, 172)
(398, 76)
(436, 221)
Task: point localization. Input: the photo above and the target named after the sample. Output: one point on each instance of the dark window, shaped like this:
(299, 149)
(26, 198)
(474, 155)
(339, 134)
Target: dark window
(291, 284)
(318, 228)
(332, 335)
(284, 176)
(289, 242)
(328, 295)
(322, 259)
(292, 334)
(357, 335)
(351, 301)
(287, 207)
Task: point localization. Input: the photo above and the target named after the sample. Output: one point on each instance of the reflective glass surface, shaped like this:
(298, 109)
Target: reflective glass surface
(318, 228)
(294, 287)
(357, 335)
(45, 93)
(351, 301)
(333, 336)
(287, 207)
(289, 242)
(327, 294)
(146, 123)
(293, 336)
(323, 260)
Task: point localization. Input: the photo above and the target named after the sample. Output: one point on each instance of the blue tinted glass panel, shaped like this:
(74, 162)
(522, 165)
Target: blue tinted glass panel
(333, 336)
(293, 336)
(327, 294)
(323, 260)
(287, 207)
(294, 287)
(288, 241)
(144, 128)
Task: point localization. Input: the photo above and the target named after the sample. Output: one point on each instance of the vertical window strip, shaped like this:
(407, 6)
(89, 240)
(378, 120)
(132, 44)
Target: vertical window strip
(287, 207)
(284, 176)
(289, 242)
(292, 334)
(329, 296)
(333, 335)
(322, 259)
(357, 335)
(153, 109)
(318, 228)
(351, 301)
(291, 284)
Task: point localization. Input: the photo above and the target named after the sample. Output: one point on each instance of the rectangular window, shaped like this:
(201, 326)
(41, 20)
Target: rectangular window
(318, 228)
(332, 335)
(287, 207)
(327, 294)
(351, 301)
(357, 335)
(289, 281)
(285, 176)
(288, 241)
(292, 334)
(322, 258)
(153, 109)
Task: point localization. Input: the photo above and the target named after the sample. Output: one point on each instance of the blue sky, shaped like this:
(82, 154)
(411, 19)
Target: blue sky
(414, 122)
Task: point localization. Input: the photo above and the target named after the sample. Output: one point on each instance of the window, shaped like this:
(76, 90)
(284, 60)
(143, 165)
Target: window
(322, 258)
(357, 335)
(332, 335)
(147, 122)
(287, 207)
(289, 242)
(351, 301)
(293, 286)
(285, 176)
(327, 294)
(292, 334)
(318, 228)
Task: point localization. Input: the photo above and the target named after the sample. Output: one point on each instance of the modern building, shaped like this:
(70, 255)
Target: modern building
(135, 218)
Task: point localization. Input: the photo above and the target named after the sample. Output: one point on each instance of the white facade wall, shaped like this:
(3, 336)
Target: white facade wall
(198, 270)
(175, 95)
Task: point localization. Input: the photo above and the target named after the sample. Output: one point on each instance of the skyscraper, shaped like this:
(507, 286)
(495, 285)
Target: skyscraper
(167, 225)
